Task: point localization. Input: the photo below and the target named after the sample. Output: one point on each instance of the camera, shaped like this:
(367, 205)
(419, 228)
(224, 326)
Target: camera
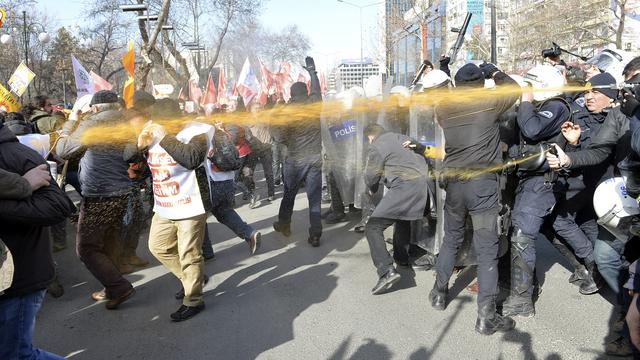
(554, 51)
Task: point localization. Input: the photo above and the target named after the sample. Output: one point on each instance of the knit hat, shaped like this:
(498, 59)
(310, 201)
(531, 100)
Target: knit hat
(104, 97)
(604, 79)
(142, 100)
(469, 75)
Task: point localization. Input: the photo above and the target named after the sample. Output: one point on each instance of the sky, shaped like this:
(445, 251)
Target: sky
(332, 27)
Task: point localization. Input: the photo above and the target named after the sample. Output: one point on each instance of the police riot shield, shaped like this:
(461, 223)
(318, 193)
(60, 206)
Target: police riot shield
(343, 145)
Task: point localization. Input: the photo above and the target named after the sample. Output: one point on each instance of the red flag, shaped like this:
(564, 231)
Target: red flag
(265, 84)
(284, 81)
(99, 83)
(209, 96)
(222, 89)
(323, 83)
(195, 94)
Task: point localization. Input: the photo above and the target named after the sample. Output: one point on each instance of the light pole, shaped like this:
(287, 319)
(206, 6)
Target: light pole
(28, 29)
(360, 7)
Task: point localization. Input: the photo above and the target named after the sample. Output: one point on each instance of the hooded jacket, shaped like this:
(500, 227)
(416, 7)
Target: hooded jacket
(44, 122)
(23, 223)
(103, 171)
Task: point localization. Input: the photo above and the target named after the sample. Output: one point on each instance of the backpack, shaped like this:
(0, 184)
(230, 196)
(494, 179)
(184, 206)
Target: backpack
(225, 155)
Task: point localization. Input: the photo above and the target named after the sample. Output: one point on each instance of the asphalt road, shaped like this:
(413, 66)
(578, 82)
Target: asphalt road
(292, 301)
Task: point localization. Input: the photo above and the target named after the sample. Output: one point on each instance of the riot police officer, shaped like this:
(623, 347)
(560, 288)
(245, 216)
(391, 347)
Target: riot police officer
(540, 117)
(472, 144)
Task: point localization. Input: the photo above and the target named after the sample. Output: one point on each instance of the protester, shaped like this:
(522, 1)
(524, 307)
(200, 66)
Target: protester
(42, 119)
(181, 202)
(106, 190)
(304, 160)
(25, 214)
(405, 175)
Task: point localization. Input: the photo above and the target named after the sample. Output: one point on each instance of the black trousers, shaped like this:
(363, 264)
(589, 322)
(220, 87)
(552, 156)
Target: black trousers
(99, 240)
(479, 198)
(374, 231)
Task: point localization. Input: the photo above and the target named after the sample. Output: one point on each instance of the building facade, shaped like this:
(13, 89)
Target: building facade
(350, 73)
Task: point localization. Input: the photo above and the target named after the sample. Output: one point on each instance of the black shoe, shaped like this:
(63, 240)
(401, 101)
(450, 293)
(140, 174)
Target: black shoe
(246, 196)
(186, 312)
(578, 275)
(489, 321)
(385, 282)
(314, 241)
(254, 242)
(438, 298)
(335, 218)
(277, 182)
(180, 294)
(284, 229)
(518, 306)
(592, 283)
(209, 257)
(424, 262)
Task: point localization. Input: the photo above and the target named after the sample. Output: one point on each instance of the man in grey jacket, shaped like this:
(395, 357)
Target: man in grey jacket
(106, 188)
(404, 173)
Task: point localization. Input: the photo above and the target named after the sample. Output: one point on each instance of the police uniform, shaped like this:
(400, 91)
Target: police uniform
(534, 199)
(472, 144)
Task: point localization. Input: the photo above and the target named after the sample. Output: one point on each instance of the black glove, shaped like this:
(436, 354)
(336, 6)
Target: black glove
(444, 61)
(310, 64)
(630, 103)
(488, 69)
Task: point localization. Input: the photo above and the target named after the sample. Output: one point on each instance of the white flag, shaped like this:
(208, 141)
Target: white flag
(84, 84)
(247, 83)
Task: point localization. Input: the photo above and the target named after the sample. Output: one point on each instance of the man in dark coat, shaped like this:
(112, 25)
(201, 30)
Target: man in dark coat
(24, 226)
(404, 173)
(304, 160)
(472, 137)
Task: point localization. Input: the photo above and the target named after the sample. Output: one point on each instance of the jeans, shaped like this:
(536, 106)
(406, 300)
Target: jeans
(374, 232)
(294, 174)
(277, 151)
(608, 256)
(207, 246)
(222, 194)
(264, 155)
(17, 324)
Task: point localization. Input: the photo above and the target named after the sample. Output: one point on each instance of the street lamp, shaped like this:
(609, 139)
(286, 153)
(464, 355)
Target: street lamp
(360, 7)
(33, 28)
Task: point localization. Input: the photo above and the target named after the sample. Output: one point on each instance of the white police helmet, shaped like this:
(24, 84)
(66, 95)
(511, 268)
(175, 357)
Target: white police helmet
(612, 61)
(434, 79)
(545, 77)
(616, 210)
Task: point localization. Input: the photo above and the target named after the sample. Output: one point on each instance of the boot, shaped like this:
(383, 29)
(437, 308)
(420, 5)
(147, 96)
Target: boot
(592, 283)
(438, 298)
(489, 321)
(518, 305)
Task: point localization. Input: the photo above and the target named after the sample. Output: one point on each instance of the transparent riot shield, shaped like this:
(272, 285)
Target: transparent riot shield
(343, 143)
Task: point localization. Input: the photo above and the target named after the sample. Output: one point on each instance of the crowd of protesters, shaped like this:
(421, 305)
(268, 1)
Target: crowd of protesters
(165, 183)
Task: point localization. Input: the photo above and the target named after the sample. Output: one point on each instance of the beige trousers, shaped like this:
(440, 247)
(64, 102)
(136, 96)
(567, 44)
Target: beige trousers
(177, 244)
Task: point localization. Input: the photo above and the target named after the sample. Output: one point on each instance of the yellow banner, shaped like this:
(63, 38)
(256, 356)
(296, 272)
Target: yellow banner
(3, 16)
(8, 101)
(20, 80)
